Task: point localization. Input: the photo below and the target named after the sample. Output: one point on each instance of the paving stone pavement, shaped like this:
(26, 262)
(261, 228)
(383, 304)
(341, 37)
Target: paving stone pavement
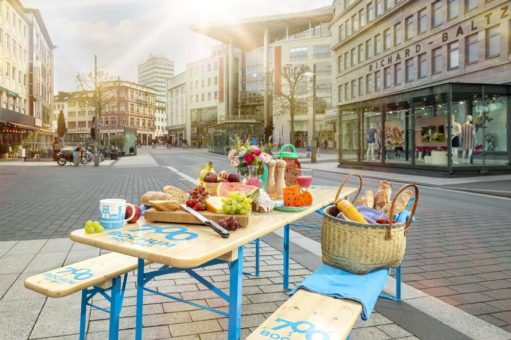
(28, 315)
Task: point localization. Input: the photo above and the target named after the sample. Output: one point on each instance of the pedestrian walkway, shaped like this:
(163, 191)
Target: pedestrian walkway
(142, 159)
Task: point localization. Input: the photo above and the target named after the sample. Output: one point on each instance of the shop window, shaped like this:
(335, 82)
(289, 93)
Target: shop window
(409, 28)
(472, 48)
(493, 42)
(372, 134)
(377, 80)
(398, 34)
(398, 74)
(437, 60)
(349, 135)
(387, 77)
(453, 9)
(410, 70)
(423, 65)
(387, 40)
(471, 4)
(437, 14)
(423, 21)
(369, 83)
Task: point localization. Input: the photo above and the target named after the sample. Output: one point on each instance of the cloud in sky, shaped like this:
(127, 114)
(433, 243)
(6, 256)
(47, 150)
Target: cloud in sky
(124, 32)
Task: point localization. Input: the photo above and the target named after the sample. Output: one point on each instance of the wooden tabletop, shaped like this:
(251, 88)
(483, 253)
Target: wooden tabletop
(188, 246)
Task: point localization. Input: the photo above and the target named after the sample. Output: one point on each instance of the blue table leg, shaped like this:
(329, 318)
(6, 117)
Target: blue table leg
(83, 314)
(115, 308)
(235, 296)
(257, 258)
(398, 284)
(140, 299)
(285, 282)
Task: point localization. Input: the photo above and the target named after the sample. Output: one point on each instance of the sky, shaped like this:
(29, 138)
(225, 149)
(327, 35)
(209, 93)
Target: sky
(124, 32)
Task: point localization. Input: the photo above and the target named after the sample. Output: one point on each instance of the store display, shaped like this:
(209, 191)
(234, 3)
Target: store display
(372, 134)
(455, 138)
(468, 139)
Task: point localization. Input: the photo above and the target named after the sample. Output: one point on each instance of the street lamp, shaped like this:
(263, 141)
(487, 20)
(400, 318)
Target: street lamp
(313, 138)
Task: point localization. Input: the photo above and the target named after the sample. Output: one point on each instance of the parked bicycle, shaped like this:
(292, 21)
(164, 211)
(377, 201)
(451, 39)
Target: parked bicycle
(88, 155)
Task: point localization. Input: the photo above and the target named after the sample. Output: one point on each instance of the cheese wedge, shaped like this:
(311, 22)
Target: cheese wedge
(214, 204)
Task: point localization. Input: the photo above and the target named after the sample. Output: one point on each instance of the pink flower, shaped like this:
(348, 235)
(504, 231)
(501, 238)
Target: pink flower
(256, 151)
(265, 158)
(235, 162)
(249, 158)
(231, 154)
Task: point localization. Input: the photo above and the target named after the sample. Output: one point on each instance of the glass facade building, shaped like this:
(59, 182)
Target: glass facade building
(454, 126)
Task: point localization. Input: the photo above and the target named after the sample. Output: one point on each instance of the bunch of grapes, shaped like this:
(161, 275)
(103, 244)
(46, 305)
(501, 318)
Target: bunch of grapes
(236, 204)
(197, 199)
(92, 227)
(230, 223)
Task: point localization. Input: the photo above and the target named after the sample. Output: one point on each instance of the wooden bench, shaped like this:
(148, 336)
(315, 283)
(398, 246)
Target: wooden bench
(96, 275)
(309, 315)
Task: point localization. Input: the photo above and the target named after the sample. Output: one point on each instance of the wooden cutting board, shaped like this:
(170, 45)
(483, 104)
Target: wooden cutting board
(183, 217)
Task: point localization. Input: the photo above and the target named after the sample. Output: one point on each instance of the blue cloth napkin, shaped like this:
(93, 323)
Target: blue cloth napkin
(335, 282)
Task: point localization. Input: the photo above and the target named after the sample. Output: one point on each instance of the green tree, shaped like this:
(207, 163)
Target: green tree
(118, 141)
(61, 125)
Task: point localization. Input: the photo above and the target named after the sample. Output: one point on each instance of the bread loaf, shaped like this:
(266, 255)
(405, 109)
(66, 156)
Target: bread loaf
(176, 194)
(165, 205)
(367, 199)
(382, 196)
(401, 202)
(154, 196)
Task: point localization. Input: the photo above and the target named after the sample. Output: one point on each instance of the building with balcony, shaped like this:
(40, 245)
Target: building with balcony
(79, 110)
(155, 72)
(423, 84)
(256, 49)
(178, 118)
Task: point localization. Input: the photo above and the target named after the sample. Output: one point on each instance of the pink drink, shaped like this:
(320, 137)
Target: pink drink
(304, 181)
(253, 181)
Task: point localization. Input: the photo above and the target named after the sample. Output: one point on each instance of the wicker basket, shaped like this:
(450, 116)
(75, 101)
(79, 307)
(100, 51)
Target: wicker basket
(361, 248)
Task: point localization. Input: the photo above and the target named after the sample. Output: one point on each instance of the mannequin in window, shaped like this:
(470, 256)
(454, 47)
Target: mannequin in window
(455, 139)
(468, 139)
(371, 140)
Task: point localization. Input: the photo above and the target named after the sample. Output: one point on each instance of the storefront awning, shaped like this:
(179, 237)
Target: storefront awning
(23, 126)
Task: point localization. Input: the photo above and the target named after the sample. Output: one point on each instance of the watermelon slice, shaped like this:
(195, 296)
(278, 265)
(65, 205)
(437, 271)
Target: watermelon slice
(224, 188)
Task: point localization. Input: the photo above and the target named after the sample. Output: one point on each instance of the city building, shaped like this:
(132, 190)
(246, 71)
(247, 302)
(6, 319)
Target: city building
(178, 118)
(423, 84)
(206, 100)
(79, 110)
(160, 120)
(256, 49)
(155, 72)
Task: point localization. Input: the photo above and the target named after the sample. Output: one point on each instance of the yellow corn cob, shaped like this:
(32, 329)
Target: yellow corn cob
(350, 211)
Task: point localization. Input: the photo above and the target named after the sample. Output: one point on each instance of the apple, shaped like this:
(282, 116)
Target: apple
(223, 175)
(129, 211)
(233, 178)
(210, 177)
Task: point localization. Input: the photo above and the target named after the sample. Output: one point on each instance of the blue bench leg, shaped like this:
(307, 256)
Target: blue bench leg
(235, 296)
(140, 299)
(83, 314)
(398, 284)
(257, 257)
(115, 308)
(285, 281)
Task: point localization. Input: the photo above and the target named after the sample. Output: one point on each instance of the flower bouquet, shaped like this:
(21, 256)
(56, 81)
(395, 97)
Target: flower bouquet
(244, 156)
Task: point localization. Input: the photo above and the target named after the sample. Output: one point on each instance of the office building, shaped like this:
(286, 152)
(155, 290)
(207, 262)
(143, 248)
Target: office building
(155, 72)
(423, 84)
(160, 120)
(178, 118)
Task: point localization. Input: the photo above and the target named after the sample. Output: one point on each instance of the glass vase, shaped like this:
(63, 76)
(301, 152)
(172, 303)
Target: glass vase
(253, 175)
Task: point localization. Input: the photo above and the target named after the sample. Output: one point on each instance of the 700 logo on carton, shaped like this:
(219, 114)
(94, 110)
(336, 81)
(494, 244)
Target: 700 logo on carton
(305, 328)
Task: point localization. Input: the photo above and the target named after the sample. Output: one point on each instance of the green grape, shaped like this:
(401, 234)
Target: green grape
(98, 227)
(89, 229)
(243, 211)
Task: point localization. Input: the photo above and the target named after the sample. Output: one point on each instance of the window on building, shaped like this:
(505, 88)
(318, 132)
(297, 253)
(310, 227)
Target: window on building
(471, 4)
(387, 39)
(339, 63)
(341, 32)
(370, 12)
(298, 53)
(346, 89)
(493, 42)
(369, 49)
(398, 34)
(353, 89)
(423, 21)
(379, 7)
(387, 77)
(453, 52)
(360, 86)
(340, 93)
(353, 58)
(398, 74)
(452, 9)
(321, 51)
(361, 55)
(209, 95)
(437, 60)
(369, 83)
(354, 22)
(437, 14)
(361, 18)
(377, 80)
(389, 4)
(472, 48)
(410, 70)
(409, 28)
(347, 25)
(346, 61)
(423, 65)
(377, 44)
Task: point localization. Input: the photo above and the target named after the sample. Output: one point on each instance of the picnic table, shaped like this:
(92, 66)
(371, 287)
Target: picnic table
(187, 247)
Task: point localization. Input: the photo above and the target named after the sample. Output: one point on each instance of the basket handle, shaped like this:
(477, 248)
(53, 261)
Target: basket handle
(388, 234)
(346, 179)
